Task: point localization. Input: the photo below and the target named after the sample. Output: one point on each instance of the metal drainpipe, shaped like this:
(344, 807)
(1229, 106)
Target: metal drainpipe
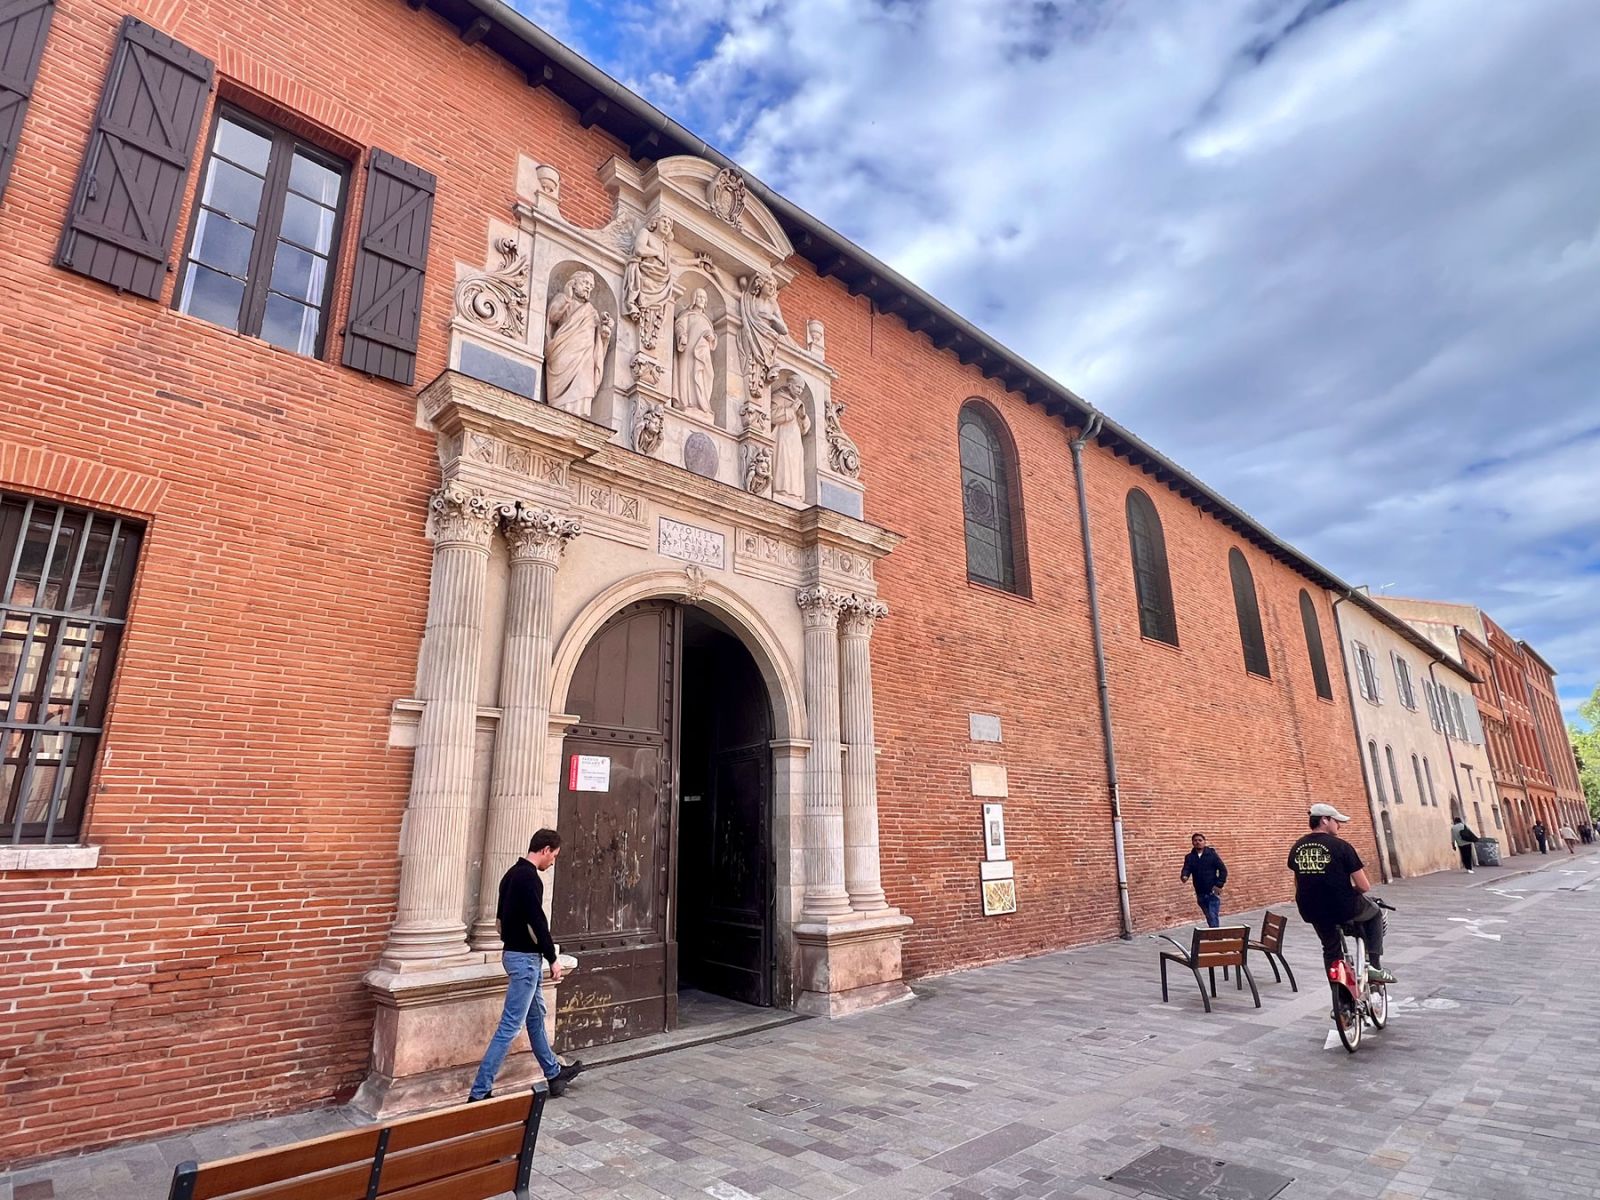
(1378, 835)
(1444, 732)
(1101, 682)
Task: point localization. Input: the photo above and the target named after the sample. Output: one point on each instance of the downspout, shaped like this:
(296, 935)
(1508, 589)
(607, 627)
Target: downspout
(1089, 430)
(1384, 849)
(1449, 750)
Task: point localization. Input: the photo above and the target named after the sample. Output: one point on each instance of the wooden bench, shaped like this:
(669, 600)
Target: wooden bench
(469, 1152)
(1225, 947)
(1270, 944)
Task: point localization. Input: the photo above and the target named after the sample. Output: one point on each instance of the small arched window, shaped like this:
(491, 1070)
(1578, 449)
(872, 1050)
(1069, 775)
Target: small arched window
(991, 504)
(1151, 580)
(1394, 775)
(1422, 788)
(1249, 614)
(1377, 773)
(1319, 661)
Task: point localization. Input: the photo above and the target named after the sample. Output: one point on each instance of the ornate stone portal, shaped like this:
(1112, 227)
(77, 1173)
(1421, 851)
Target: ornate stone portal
(636, 384)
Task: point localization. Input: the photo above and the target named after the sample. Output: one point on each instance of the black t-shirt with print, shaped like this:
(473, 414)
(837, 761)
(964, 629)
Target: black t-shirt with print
(1322, 866)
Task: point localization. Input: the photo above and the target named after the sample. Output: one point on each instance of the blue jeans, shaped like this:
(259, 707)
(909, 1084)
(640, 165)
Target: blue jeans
(524, 1006)
(1212, 907)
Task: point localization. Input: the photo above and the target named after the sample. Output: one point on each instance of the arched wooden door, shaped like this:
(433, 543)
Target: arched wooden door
(609, 904)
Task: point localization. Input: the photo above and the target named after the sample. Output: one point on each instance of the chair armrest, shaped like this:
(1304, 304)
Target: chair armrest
(1182, 949)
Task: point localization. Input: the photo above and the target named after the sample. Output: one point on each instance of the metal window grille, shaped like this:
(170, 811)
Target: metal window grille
(68, 576)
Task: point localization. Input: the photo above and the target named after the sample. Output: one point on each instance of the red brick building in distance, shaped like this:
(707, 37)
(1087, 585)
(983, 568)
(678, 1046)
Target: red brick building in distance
(411, 439)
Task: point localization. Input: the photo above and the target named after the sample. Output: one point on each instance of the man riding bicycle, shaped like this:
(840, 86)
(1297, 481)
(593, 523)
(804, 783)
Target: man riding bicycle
(1330, 883)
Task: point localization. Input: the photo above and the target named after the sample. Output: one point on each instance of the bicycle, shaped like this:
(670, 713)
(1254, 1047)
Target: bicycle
(1361, 1000)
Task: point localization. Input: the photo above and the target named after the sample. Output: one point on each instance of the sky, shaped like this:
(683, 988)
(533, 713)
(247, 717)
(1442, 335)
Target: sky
(1339, 258)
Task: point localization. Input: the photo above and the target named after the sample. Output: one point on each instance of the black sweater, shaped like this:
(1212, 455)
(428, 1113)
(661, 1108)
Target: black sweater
(523, 927)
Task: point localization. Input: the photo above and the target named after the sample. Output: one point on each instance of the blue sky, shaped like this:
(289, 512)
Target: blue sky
(1340, 258)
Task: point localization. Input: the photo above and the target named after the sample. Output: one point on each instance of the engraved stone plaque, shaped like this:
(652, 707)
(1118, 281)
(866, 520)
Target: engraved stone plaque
(691, 543)
(700, 455)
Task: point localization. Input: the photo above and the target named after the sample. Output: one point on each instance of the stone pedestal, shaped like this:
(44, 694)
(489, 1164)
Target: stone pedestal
(845, 967)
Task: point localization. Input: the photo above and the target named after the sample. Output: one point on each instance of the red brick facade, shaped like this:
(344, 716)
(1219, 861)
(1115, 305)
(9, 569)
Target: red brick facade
(247, 803)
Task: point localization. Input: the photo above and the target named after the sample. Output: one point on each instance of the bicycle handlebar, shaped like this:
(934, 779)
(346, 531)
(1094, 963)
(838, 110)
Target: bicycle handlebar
(1379, 901)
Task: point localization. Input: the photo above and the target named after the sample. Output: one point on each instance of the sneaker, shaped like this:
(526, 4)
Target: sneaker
(475, 1099)
(572, 1070)
(1469, 870)
(557, 1085)
(1379, 975)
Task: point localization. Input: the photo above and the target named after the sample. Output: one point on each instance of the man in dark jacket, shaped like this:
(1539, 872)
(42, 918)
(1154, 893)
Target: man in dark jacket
(1542, 836)
(1205, 867)
(525, 934)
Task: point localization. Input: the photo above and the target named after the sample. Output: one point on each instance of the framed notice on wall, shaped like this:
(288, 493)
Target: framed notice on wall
(994, 832)
(589, 773)
(999, 896)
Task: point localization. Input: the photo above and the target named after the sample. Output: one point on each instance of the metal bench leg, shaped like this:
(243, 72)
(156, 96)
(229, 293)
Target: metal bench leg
(1212, 973)
(1254, 995)
(1276, 978)
(1200, 983)
(1238, 979)
(1163, 979)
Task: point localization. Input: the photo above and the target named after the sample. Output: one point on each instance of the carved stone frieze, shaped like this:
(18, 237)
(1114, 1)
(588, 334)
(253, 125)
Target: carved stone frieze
(725, 196)
(535, 534)
(497, 300)
(457, 513)
(606, 506)
(648, 423)
(646, 370)
(694, 588)
(843, 456)
(754, 418)
(757, 470)
(831, 561)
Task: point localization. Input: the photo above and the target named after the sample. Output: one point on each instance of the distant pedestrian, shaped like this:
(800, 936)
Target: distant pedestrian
(1461, 837)
(525, 934)
(1542, 836)
(1586, 833)
(1204, 866)
(1570, 838)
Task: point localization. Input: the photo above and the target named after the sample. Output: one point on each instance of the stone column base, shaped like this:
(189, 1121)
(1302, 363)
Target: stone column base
(847, 966)
(429, 1034)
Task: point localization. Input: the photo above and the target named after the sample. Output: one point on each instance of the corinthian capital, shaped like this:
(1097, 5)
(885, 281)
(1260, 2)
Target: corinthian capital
(536, 534)
(457, 513)
(820, 606)
(860, 613)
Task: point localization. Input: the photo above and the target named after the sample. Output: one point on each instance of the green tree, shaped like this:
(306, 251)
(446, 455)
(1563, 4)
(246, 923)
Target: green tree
(1586, 745)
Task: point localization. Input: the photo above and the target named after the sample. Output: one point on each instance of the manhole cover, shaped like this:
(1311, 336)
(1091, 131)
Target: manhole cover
(1184, 1176)
(783, 1106)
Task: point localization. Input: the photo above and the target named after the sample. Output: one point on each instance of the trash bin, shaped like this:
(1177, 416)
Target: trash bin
(1488, 851)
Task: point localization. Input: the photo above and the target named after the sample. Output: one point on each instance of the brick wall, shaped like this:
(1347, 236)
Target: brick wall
(247, 805)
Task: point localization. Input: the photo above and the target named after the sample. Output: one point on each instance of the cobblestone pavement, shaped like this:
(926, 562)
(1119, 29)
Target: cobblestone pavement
(1041, 1078)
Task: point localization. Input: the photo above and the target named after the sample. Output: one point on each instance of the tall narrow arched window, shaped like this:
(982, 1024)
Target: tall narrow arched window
(1319, 660)
(1249, 614)
(1422, 790)
(1394, 775)
(1151, 580)
(991, 504)
(1377, 773)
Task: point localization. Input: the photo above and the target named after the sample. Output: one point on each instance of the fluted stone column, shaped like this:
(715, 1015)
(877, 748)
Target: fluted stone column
(537, 539)
(434, 838)
(825, 895)
(862, 877)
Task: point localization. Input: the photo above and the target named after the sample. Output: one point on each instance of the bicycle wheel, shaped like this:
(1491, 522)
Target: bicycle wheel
(1348, 1023)
(1378, 1005)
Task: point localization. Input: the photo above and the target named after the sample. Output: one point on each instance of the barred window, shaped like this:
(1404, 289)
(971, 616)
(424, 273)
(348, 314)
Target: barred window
(990, 502)
(68, 576)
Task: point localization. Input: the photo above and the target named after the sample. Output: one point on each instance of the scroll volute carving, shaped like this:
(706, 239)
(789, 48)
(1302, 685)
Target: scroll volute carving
(497, 299)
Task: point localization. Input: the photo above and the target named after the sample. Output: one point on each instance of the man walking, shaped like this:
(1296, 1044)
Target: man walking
(1542, 836)
(1461, 837)
(1205, 867)
(525, 934)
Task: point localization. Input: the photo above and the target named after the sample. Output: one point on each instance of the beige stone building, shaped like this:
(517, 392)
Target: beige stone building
(1421, 741)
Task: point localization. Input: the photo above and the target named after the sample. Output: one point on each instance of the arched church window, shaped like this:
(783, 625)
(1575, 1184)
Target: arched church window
(991, 503)
(1152, 581)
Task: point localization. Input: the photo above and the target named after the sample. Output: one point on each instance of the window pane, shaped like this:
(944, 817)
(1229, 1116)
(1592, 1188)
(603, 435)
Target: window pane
(243, 146)
(312, 179)
(290, 325)
(223, 244)
(298, 274)
(211, 297)
(307, 223)
(232, 191)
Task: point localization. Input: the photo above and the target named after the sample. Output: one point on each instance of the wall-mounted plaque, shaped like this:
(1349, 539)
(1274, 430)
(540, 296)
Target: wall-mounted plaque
(994, 832)
(999, 896)
(690, 543)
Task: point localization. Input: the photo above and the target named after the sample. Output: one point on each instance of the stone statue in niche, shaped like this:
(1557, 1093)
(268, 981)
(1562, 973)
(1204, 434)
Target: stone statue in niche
(790, 423)
(758, 336)
(843, 456)
(575, 347)
(647, 279)
(695, 339)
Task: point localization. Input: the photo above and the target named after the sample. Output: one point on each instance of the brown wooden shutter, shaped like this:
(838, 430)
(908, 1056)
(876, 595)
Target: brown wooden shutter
(386, 293)
(125, 208)
(24, 25)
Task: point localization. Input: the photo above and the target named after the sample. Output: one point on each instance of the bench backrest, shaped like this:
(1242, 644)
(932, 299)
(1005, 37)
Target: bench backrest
(1222, 947)
(468, 1152)
(1272, 927)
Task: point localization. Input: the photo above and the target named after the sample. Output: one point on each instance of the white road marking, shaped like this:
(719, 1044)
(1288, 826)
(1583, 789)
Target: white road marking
(1473, 926)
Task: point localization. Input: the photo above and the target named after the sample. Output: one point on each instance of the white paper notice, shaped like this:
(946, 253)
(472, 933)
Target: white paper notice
(589, 773)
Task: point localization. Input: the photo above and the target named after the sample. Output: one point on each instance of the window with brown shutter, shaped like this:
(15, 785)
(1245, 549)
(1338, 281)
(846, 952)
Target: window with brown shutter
(1248, 613)
(24, 25)
(386, 293)
(125, 207)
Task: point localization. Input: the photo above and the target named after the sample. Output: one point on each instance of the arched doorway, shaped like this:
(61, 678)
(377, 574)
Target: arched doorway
(666, 873)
